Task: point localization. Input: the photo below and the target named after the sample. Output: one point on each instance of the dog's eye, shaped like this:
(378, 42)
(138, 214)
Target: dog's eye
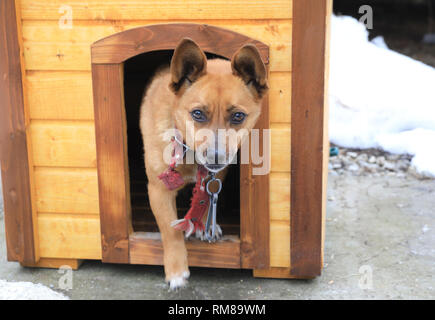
(198, 116)
(238, 117)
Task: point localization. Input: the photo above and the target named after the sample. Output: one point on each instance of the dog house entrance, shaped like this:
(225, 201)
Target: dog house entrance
(137, 73)
(121, 66)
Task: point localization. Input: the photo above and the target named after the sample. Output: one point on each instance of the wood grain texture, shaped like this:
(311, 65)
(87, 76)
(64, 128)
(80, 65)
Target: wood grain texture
(67, 190)
(280, 196)
(63, 144)
(157, 9)
(307, 142)
(69, 236)
(254, 205)
(280, 97)
(124, 45)
(279, 243)
(48, 47)
(21, 234)
(280, 140)
(47, 99)
(60, 95)
(326, 145)
(112, 162)
(273, 32)
(76, 57)
(147, 248)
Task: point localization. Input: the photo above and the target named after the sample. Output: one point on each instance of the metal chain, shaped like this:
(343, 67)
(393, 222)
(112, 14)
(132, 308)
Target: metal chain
(211, 217)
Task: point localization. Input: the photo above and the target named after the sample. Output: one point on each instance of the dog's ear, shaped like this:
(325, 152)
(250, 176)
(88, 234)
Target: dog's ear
(247, 64)
(188, 64)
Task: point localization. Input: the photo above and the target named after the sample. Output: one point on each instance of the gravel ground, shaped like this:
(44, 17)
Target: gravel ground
(372, 163)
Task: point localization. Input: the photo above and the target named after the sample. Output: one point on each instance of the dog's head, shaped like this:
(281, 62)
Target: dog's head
(217, 100)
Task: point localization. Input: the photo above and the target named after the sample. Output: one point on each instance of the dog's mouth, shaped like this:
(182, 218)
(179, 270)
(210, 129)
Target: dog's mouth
(215, 168)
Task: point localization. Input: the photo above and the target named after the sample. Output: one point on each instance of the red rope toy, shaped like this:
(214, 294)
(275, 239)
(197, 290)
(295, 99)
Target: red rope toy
(200, 200)
(199, 203)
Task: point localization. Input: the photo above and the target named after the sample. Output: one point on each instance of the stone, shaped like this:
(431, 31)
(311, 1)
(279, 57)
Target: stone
(380, 160)
(354, 167)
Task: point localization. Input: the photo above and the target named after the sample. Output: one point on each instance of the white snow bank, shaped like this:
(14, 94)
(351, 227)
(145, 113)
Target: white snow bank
(27, 291)
(380, 98)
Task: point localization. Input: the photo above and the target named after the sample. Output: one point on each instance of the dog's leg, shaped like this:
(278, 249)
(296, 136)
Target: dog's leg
(164, 208)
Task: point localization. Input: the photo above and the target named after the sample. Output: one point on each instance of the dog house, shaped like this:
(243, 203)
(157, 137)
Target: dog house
(72, 75)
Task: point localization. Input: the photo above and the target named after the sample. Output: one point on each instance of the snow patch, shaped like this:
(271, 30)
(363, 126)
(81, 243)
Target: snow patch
(380, 98)
(27, 291)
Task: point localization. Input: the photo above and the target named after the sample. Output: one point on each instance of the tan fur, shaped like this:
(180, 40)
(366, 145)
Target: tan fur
(219, 90)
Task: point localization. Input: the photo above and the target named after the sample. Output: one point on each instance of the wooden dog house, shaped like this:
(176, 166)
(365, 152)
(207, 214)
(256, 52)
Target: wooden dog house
(68, 192)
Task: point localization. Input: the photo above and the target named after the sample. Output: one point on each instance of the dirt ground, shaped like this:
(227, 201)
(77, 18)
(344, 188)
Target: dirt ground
(378, 228)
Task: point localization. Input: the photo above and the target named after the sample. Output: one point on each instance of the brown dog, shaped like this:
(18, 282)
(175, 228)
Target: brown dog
(209, 94)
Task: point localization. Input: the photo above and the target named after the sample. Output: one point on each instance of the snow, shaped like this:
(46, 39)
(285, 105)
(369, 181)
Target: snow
(27, 291)
(380, 98)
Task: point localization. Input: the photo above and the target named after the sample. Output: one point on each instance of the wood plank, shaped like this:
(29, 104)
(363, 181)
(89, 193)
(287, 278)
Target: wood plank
(53, 263)
(60, 95)
(48, 98)
(57, 56)
(112, 162)
(63, 144)
(147, 248)
(68, 49)
(21, 236)
(260, 193)
(279, 243)
(273, 32)
(247, 240)
(254, 207)
(308, 102)
(69, 236)
(65, 51)
(280, 196)
(67, 190)
(326, 145)
(280, 140)
(280, 97)
(157, 9)
(127, 44)
(76, 57)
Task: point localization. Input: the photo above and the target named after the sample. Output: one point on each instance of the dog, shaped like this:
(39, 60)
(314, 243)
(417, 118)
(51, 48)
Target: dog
(209, 94)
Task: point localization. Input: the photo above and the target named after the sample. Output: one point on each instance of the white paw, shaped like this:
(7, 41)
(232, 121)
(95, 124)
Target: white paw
(178, 282)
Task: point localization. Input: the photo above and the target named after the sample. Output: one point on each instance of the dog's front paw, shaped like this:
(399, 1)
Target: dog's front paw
(179, 281)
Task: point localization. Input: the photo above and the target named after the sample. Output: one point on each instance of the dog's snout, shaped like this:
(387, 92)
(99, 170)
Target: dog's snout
(215, 156)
